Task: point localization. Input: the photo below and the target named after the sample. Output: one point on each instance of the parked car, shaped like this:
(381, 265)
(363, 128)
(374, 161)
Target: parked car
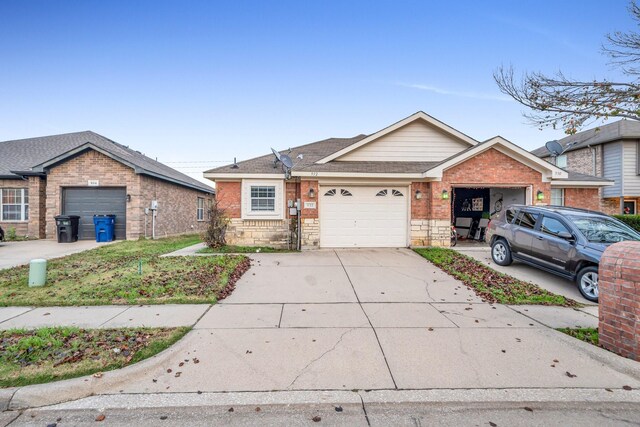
(565, 241)
(1, 234)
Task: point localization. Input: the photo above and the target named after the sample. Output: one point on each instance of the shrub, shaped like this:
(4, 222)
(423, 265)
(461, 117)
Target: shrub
(632, 221)
(214, 237)
(11, 233)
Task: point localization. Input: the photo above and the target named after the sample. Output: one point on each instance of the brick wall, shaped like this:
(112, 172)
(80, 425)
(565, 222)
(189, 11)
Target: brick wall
(21, 227)
(177, 204)
(582, 160)
(619, 301)
(37, 206)
(177, 209)
(585, 198)
(229, 197)
(420, 208)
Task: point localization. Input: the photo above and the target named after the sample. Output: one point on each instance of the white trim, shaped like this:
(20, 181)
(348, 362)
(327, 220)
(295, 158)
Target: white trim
(509, 149)
(276, 214)
(359, 175)
(580, 184)
(420, 115)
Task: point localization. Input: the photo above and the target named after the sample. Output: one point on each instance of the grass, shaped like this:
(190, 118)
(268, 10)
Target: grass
(589, 335)
(488, 283)
(233, 249)
(128, 272)
(52, 354)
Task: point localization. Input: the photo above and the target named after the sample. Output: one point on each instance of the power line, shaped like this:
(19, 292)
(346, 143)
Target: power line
(203, 161)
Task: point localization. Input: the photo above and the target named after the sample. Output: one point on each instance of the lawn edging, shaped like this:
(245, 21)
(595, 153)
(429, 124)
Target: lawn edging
(236, 250)
(489, 284)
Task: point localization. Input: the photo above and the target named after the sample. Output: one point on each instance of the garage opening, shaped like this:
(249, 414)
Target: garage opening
(472, 208)
(89, 201)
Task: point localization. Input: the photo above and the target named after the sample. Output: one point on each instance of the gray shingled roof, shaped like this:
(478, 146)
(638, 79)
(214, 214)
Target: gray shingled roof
(317, 150)
(576, 176)
(23, 155)
(622, 129)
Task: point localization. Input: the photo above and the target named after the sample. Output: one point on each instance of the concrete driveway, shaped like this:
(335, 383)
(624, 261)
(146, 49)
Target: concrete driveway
(365, 319)
(551, 282)
(17, 253)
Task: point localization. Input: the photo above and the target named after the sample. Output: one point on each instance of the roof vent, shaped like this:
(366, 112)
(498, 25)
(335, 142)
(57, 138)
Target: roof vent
(234, 165)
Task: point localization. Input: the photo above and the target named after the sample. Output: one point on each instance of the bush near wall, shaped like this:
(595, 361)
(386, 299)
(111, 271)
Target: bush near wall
(632, 221)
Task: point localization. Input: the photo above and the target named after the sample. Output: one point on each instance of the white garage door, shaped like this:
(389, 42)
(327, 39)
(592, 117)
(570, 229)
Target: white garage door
(363, 216)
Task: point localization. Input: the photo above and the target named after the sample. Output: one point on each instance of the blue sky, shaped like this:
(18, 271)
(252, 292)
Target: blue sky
(206, 81)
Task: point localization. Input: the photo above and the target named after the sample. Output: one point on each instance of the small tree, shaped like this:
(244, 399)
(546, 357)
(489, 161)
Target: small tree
(214, 237)
(560, 101)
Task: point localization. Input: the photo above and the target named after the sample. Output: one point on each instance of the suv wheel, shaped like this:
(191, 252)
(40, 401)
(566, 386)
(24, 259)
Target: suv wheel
(587, 281)
(501, 253)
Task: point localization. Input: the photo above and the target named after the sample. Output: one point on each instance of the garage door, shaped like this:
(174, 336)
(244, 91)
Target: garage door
(87, 202)
(363, 216)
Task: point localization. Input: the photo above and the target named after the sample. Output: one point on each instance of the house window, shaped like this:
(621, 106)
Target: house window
(14, 204)
(396, 193)
(381, 193)
(331, 192)
(200, 209)
(561, 161)
(557, 196)
(345, 192)
(263, 198)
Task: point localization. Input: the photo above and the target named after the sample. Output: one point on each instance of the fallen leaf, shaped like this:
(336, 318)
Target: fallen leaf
(169, 370)
(46, 314)
(100, 417)
(556, 361)
(492, 424)
(626, 387)
(98, 375)
(609, 390)
(316, 419)
(338, 408)
(230, 409)
(164, 417)
(504, 351)
(526, 408)
(570, 375)
(181, 364)
(258, 409)
(178, 374)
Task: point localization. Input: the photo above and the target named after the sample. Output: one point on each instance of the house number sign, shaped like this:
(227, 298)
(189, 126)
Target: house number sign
(93, 183)
(309, 205)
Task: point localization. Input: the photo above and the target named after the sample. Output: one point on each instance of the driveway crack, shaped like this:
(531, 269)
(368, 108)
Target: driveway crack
(319, 357)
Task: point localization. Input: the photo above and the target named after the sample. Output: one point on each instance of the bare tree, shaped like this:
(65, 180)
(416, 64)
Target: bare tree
(559, 101)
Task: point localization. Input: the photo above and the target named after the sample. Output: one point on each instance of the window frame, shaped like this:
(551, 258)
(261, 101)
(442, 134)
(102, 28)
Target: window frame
(23, 205)
(564, 158)
(268, 196)
(200, 209)
(558, 220)
(562, 196)
(247, 212)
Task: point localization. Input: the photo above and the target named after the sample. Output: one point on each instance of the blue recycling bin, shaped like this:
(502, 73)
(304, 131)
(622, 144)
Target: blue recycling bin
(105, 227)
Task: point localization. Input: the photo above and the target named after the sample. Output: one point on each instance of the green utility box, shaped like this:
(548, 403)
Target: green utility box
(37, 272)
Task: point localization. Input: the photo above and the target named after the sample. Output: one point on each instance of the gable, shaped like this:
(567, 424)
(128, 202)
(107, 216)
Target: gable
(417, 141)
(492, 167)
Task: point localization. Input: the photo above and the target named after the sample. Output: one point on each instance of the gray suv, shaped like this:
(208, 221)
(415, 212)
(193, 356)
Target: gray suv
(565, 241)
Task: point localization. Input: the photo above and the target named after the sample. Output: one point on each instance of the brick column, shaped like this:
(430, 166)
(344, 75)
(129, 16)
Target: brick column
(310, 230)
(619, 288)
(37, 207)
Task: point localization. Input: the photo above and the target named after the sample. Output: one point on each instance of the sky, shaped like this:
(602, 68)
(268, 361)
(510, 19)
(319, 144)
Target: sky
(197, 83)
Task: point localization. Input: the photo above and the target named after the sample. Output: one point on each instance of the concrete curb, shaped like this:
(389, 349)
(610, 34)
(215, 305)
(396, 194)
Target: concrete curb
(77, 388)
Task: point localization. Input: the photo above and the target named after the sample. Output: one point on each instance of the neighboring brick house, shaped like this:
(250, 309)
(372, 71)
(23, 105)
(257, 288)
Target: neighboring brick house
(401, 186)
(611, 151)
(84, 174)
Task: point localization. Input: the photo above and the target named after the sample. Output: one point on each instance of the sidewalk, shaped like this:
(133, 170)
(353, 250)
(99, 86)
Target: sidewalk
(107, 316)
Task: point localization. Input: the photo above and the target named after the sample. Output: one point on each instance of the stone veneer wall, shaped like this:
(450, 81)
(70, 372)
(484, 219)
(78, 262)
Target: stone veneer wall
(430, 232)
(310, 233)
(258, 233)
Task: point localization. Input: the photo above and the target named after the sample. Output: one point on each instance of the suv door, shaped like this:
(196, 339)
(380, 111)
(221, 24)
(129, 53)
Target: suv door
(523, 233)
(550, 250)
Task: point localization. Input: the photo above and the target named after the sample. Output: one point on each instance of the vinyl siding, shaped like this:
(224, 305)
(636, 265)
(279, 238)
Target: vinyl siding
(415, 142)
(613, 168)
(630, 167)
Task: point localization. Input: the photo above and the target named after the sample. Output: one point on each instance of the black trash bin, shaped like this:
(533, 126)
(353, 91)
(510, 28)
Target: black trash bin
(67, 228)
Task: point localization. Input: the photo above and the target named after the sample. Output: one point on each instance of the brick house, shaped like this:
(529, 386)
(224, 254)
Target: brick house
(611, 151)
(401, 186)
(84, 174)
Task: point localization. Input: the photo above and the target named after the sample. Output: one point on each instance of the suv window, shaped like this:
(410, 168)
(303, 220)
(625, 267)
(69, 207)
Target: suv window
(510, 215)
(527, 220)
(552, 226)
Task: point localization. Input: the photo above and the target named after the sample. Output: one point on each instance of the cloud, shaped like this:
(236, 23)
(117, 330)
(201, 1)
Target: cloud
(461, 94)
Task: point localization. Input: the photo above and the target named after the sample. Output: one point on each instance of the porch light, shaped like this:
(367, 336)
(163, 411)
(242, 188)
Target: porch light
(128, 198)
(540, 195)
(312, 193)
(418, 194)
(445, 195)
